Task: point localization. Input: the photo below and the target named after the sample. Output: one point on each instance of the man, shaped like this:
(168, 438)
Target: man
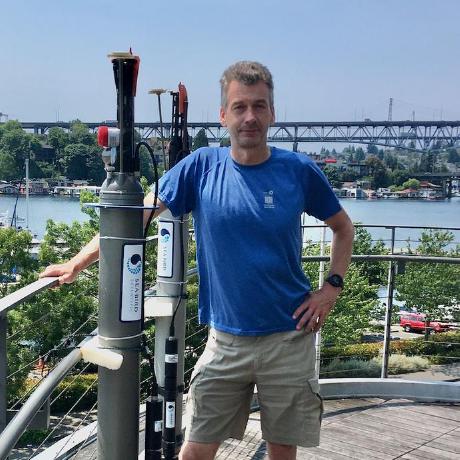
(247, 201)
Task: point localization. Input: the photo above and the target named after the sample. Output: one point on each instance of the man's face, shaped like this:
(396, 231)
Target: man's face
(248, 114)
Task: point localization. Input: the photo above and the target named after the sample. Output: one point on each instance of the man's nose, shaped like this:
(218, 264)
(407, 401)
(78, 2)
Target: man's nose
(249, 115)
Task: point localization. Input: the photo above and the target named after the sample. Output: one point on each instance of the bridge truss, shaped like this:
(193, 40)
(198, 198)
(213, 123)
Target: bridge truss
(414, 135)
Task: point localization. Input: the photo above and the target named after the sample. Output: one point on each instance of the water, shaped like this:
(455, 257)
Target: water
(372, 212)
(444, 213)
(42, 208)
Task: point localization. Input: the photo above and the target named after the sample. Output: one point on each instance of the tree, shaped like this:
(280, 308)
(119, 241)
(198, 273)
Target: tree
(427, 286)
(15, 146)
(452, 155)
(14, 255)
(413, 184)
(427, 162)
(75, 161)
(374, 272)
(225, 142)
(79, 134)
(9, 169)
(391, 161)
(58, 139)
(333, 176)
(349, 318)
(359, 154)
(398, 176)
(372, 149)
(200, 140)
(377, 171)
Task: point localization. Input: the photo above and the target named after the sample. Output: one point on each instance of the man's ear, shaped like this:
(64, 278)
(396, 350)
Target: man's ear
(222, 120)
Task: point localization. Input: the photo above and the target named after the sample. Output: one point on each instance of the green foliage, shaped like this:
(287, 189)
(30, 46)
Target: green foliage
(363, 244)
(72, 388)
(349, 317)
(15, 147)
(440, 348)
(9, 170)
(453, 156)
(350, 368)
(402, 364)
(146, 166)
(377, 172)
(398, 176)
(426, 286)
(14, 255)
(371, 368)
(200, 140)
(225, 142)
(333, 176)
(413, 184)
(32, 438)
(348, 320)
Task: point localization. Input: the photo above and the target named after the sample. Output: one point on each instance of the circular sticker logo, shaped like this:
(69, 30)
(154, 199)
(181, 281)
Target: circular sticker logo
(165, 235)
(134, 264)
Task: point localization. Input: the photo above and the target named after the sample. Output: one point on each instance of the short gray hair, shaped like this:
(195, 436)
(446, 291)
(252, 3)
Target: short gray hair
(248, 73)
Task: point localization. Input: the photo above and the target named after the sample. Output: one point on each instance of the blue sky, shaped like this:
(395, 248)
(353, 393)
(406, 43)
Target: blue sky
(331, 59)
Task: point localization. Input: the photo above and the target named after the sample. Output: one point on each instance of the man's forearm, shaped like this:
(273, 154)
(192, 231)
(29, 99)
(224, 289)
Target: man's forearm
(88, 254)
(343, 233)
(341, 249)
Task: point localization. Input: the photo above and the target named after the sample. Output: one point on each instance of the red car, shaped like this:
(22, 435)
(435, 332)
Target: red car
(416, 322)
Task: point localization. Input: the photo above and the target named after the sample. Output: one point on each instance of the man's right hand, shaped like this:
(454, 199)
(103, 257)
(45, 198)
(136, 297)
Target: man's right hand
(67, 272)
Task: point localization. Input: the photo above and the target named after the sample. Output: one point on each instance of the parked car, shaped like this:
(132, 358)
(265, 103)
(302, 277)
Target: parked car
(415, 322)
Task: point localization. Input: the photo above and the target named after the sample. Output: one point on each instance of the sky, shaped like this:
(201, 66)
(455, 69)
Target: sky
(337, 60)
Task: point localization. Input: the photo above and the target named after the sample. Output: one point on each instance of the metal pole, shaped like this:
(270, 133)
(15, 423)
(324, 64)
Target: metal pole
(320, 284)
(121, 280)
(27, 193)
(159, 92)
(388, 312)
(3, 369)
(171, 275)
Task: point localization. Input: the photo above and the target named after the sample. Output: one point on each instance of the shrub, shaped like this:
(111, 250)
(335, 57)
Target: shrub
(350, 368)
(32, 438)
(72, 388)
(401, 364)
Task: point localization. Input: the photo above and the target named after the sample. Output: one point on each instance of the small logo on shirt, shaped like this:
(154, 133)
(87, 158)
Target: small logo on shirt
(269, 200)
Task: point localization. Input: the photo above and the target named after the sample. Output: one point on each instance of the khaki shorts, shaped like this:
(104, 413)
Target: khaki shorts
(222, 385)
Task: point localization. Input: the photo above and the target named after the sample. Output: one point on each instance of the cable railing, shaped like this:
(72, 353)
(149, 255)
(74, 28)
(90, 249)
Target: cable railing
(196, 340)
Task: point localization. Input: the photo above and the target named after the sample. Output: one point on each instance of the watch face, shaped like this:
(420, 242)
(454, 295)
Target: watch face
(335, 280)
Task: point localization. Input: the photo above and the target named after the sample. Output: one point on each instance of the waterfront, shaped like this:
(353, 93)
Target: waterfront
(444, 213)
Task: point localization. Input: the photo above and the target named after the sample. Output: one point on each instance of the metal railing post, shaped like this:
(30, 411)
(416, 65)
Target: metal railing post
(388, 312)
(3, 370)
(320, 284)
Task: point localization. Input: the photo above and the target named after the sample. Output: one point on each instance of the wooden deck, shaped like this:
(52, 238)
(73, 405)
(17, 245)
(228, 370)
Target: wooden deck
(363, 429)
(370, 429)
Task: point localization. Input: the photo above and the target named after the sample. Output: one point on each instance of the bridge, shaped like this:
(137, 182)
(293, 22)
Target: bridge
(407, 134)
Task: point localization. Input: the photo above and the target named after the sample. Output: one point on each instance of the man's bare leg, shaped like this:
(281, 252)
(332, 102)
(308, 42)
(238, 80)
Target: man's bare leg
(198, 451)
(281, 451)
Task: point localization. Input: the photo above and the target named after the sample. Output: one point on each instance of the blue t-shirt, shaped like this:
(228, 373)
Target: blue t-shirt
(248, 235)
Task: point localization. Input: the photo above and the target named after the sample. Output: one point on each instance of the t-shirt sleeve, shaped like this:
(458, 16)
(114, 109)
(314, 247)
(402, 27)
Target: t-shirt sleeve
(320, 200)
(177, 187)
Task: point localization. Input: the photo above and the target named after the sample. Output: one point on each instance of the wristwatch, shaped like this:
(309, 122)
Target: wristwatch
(335, 280)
